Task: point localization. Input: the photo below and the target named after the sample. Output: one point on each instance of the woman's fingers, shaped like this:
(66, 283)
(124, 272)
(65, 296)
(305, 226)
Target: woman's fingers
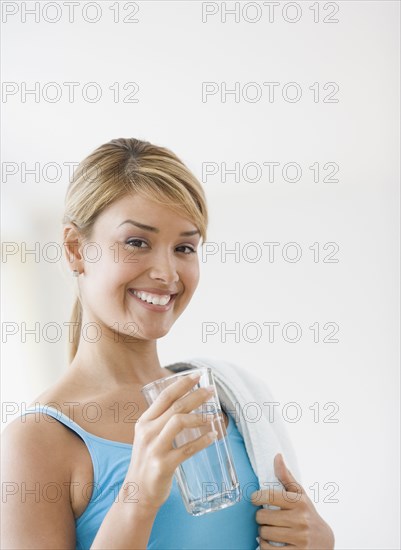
(264, 545)
(286, 500)
(189, 449)
(191, 401)
(280, 518)
(169, 394)
(201, 423)
(276, 534)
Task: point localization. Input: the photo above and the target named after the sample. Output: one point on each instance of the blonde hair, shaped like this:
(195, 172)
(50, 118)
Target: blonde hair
(122, 167)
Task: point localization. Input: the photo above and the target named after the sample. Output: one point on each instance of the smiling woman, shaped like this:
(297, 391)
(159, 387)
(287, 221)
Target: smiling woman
(119, 179)
(106, 480)
(159, 262)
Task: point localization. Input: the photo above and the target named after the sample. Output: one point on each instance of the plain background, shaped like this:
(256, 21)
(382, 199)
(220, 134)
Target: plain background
(169, 53)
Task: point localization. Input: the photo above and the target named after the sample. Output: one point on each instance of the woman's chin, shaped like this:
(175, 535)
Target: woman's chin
(152, 333)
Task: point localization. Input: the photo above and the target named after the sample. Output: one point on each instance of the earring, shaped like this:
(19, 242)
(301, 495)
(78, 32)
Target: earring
(75, 273)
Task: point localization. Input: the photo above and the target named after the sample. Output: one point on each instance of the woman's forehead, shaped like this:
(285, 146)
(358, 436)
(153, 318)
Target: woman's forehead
(146, 212)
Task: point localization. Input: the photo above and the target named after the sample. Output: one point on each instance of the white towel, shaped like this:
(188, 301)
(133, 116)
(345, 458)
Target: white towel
(238, 389)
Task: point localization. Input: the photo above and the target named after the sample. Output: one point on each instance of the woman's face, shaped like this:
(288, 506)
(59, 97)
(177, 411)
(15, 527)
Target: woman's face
(127, 258)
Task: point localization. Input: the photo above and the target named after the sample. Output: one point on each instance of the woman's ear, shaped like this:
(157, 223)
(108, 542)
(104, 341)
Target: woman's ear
(73, 243)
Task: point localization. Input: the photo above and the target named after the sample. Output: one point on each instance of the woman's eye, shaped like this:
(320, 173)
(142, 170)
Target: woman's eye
(138, 242)
(133, 242)
(191, 250)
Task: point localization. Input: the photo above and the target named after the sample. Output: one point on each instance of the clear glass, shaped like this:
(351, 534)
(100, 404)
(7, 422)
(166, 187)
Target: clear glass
(207, 480)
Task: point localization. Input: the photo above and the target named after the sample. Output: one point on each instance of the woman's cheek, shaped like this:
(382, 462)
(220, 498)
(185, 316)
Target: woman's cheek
(195, 275)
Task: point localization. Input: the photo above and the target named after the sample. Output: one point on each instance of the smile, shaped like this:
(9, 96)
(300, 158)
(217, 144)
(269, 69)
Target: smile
(154, 302)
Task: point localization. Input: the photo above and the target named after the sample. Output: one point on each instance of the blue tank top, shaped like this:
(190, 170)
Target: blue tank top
(233, 527)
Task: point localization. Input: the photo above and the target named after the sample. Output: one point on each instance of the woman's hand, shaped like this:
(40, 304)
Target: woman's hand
(297, 523)
(154, 459)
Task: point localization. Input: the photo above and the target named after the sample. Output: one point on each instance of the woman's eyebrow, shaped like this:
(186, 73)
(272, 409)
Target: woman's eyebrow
(155, 230)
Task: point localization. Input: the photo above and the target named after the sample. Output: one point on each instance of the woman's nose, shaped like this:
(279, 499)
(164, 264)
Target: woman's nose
(164, 268)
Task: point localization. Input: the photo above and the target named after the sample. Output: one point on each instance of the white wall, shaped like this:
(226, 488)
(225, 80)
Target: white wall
(169, 53)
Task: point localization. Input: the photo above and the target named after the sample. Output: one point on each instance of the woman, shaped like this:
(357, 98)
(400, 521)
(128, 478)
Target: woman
(134, 217)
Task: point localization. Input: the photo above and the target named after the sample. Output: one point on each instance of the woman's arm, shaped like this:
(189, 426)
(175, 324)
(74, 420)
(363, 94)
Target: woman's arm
(127, 524)
(36, 509)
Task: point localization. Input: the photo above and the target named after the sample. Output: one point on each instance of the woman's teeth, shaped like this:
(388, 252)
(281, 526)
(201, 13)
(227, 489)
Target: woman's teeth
(152, 298)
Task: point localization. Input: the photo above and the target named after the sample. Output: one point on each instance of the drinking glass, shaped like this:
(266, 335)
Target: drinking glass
(207, 480)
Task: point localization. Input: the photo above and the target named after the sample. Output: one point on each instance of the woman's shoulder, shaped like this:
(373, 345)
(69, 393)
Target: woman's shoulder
(54, 394)
(37, 456)
(37, 432)
(34, 447)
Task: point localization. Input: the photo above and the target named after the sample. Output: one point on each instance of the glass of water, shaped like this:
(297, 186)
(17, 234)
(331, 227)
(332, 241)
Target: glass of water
(207, 480)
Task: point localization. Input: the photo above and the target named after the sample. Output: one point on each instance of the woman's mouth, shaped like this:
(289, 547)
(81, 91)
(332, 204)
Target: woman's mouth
(153, 302)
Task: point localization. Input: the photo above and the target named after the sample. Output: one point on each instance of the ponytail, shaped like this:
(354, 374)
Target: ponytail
(76, 322)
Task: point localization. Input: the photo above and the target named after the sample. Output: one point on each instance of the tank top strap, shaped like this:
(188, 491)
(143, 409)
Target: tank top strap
(41, 410)
(44, 411)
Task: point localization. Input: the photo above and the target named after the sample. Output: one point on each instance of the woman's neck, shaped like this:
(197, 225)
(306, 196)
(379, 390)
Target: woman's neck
(108, 365)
